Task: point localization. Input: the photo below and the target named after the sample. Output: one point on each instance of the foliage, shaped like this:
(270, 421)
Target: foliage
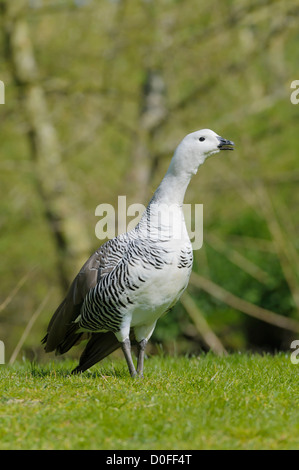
(223, 65)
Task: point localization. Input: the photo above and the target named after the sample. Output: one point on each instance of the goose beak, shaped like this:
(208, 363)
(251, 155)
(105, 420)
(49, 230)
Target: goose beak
(225, 144)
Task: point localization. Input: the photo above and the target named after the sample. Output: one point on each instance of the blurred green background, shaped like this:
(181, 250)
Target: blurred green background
(97, 96)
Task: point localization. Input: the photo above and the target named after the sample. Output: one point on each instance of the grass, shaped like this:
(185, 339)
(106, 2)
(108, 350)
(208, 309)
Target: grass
(241, 401)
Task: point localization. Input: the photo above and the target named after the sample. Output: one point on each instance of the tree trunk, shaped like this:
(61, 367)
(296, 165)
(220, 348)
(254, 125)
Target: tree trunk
(61, 206)
(152, 112)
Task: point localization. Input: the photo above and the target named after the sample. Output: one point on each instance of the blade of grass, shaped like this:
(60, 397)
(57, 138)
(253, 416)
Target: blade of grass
(238, 259)
(242, 305)
(201, 325)
(16, 289)
(28, 329)
(282, 244)
(252, 243)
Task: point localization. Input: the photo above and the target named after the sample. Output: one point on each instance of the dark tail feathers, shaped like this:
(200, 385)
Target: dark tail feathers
(71, 338)
(99, 346)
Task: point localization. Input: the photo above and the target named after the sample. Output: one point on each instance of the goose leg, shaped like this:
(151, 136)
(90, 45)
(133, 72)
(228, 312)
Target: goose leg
(126, 348)
(141, 349)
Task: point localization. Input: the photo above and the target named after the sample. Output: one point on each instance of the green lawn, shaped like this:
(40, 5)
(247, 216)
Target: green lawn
(235, 402)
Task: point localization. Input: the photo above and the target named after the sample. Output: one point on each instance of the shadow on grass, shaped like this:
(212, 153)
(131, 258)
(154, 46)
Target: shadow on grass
(64, 370)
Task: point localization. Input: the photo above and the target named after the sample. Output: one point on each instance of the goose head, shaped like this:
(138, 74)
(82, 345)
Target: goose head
(196, 147)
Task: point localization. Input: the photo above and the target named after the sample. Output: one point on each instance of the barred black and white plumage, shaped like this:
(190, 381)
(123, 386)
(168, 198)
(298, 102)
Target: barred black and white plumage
(105, 305)
(133, 279)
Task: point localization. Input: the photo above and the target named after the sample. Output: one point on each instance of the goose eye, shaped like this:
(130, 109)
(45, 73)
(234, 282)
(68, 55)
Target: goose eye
(201, 139)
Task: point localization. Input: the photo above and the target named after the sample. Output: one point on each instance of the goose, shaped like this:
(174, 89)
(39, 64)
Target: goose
(133, 279)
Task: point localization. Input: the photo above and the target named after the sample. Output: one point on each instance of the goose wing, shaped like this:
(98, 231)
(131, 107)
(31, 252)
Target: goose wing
(97, 266)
